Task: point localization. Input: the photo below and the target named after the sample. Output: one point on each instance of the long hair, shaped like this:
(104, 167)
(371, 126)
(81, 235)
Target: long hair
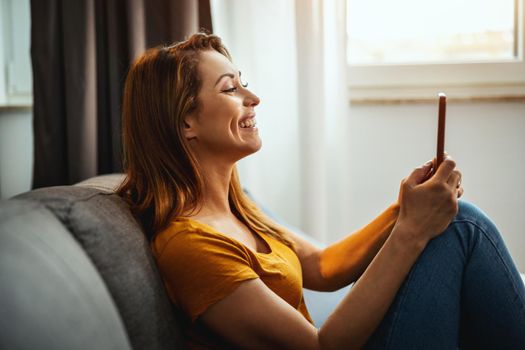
(163, 179)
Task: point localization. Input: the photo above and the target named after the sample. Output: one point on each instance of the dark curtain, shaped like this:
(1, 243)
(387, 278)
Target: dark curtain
(81, 50)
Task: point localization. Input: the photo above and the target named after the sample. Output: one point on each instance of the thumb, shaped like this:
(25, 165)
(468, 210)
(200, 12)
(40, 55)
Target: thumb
(419, 175)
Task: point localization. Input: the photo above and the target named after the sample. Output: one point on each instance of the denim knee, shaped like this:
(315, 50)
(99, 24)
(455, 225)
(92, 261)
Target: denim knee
(469, 212)
(471, 224)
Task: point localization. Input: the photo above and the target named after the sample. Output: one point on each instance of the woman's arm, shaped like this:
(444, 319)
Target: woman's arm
(254, 317)
(362, 310)
(343, 262)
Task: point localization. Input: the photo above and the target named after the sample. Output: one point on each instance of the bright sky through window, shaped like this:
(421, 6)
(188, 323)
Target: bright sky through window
(422, 31)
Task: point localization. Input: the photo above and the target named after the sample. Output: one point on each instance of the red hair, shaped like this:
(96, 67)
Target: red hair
(163, 180)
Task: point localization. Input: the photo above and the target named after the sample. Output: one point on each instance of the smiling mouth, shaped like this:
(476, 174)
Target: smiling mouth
(248, 123)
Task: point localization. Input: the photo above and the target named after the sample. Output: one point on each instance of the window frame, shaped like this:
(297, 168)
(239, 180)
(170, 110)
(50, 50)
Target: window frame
(473, 80)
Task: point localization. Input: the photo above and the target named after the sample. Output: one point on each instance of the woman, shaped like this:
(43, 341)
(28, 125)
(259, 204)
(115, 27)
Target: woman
(431, 271)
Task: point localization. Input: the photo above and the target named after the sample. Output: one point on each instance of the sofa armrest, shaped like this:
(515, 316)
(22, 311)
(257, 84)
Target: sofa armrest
(51, 294)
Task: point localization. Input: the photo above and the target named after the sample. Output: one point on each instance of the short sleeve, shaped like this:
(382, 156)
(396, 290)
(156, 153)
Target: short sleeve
(201, 268)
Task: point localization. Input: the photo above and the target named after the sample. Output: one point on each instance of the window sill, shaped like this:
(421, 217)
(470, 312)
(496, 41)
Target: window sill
(428, 94)
(16, 108)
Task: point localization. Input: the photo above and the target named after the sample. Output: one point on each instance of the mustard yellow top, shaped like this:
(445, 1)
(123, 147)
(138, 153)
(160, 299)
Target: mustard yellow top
(200, 266)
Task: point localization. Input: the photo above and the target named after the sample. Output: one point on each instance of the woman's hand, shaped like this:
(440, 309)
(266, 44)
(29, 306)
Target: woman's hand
(428, 203)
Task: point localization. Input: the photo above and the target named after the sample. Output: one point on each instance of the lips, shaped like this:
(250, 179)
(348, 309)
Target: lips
(246, 117)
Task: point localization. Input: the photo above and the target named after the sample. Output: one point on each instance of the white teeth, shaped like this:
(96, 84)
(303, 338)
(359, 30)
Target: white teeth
(248, 123)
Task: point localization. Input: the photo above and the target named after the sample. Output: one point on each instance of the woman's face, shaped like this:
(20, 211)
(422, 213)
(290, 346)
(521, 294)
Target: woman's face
(224, 125)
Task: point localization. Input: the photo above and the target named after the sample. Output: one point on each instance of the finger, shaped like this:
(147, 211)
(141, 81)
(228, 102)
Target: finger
(431, 163)
(445, 169)
(454, 179)
(458, 185)
(419, 174)
(445, 155)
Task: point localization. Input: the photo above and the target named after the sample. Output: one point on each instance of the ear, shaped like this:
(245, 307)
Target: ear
(190, 127)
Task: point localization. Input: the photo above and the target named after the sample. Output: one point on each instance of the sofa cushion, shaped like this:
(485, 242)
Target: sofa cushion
(102, 223)
(51, 295)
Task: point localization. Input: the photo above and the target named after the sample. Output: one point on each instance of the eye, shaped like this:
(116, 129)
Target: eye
(230, 90)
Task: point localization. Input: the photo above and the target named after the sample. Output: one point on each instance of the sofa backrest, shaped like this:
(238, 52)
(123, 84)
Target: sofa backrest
(102, 224)
(51, 295)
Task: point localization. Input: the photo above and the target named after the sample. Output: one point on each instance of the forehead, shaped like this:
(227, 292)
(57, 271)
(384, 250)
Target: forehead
(212, 64)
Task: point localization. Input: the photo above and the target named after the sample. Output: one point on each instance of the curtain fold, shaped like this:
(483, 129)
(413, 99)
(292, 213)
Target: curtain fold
(80, 52)
(309, 27)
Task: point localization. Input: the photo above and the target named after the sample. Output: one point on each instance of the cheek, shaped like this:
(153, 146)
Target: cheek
(221, 114)
(227, 114)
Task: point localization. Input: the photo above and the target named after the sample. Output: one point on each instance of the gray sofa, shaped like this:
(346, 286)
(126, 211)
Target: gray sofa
(76, 273)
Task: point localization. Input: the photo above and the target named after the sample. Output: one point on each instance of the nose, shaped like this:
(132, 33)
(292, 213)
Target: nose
(251, 100)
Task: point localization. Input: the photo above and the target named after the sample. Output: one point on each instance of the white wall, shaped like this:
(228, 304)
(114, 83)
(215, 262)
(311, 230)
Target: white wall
(16, 135)
(272, 174)
(16, 152)
(385, 142)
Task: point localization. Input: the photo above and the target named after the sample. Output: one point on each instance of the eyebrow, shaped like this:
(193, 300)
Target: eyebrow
(226, 75)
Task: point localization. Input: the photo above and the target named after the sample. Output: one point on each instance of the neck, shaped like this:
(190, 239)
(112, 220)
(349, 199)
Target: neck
(216, 188)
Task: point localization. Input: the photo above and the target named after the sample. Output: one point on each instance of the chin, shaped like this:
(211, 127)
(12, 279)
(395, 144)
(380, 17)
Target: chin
(251, 149)
(258, 145)
(255, 148)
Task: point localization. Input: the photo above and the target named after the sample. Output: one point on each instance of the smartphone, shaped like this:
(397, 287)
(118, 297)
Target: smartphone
(440, 152)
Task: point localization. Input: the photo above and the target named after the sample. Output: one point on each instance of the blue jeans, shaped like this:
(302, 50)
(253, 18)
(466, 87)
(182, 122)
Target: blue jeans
(464, 291)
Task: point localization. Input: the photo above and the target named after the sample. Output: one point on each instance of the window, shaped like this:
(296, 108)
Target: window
(411, 49)
(15, 62)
